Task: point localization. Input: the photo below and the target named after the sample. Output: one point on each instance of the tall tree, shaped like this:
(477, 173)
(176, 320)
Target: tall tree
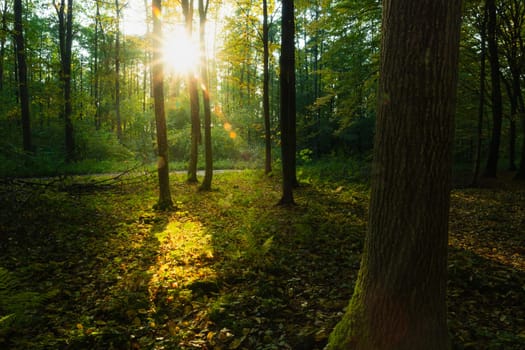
(117, 72)
(157, 71)
(491, 168)
(205, 84)
(65, 33)
(4, 30)
(512, 14)
(288, 109)
(266, 93)
(23, 88)
(187, 9)
(399, 297)
(481, 101)
(96, 78)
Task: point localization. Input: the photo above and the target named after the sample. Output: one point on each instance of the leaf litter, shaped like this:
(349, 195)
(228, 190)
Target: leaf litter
(230, 270)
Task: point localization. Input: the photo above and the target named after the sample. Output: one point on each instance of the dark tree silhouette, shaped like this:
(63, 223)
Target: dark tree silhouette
(288, 97)
(491, 168)
(65, 34)
(157, 71)
(23, 88)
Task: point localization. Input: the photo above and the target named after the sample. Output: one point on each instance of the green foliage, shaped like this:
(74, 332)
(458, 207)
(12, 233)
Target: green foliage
(17, 306)
(335, 170)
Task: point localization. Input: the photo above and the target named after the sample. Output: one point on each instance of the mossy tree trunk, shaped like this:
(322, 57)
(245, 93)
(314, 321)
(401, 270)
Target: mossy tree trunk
(399, 298)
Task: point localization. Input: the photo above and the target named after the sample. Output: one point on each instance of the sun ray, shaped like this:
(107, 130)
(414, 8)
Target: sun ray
(181, 53)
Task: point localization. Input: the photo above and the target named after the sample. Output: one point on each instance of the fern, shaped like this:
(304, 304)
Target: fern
(15, 305)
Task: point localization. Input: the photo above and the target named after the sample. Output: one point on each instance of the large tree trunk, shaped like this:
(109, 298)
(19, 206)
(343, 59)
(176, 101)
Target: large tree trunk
(288, 108)
(23, 88)
(266, 94)
(399, 297)
(208, 172)
(497, 108)
(157, 71)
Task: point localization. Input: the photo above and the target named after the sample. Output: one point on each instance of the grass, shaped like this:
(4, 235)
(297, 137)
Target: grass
(228, 269)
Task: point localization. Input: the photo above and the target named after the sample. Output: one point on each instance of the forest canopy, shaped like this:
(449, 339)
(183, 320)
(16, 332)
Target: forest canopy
(111, 118)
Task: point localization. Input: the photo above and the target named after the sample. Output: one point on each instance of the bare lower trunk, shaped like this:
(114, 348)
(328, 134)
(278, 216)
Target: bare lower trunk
(399, 298)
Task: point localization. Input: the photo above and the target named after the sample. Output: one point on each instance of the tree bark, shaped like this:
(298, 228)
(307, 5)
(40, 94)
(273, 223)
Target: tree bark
(288, 96)
(157, 70)
(266, 94)
(96, 78)
(187, 9)
(497, 108)
(23, 88)
(117, 73)
(208, 171)
(399, 297)
(481, 106)
(65, 32)
(4, 30)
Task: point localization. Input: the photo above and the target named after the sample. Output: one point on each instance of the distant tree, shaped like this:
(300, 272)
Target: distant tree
(208, 173)
(157, 71)
(65, 34)
(399, 297)
(481, 101)
(96, 80)
(23, 88)
(117, 71)
(512, 14)
(491, 168)
(3, 38)
(266, 93)
(288, 109)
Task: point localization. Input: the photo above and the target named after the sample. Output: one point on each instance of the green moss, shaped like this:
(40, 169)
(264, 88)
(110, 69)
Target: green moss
(351, 330)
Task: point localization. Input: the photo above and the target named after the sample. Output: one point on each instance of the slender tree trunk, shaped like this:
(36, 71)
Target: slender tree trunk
(497, 108)
(117, 73)
(187, 9)
(266, 94)
(65, 29)
(481, 106)
(157, 70)
(208, 173)
(23, 88)
(520, 175)
(288, 108)
(3, 38)
(399, 297)
(96, 83)
(513, 97)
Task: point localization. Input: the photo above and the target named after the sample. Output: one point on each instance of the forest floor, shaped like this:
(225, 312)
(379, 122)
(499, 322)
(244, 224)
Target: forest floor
(87, 264)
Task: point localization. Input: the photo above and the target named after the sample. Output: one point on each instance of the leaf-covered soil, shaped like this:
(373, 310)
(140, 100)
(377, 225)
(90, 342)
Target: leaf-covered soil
(228, 269)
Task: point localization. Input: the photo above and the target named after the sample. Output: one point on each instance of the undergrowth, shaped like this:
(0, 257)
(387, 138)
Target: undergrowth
(89, 265)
